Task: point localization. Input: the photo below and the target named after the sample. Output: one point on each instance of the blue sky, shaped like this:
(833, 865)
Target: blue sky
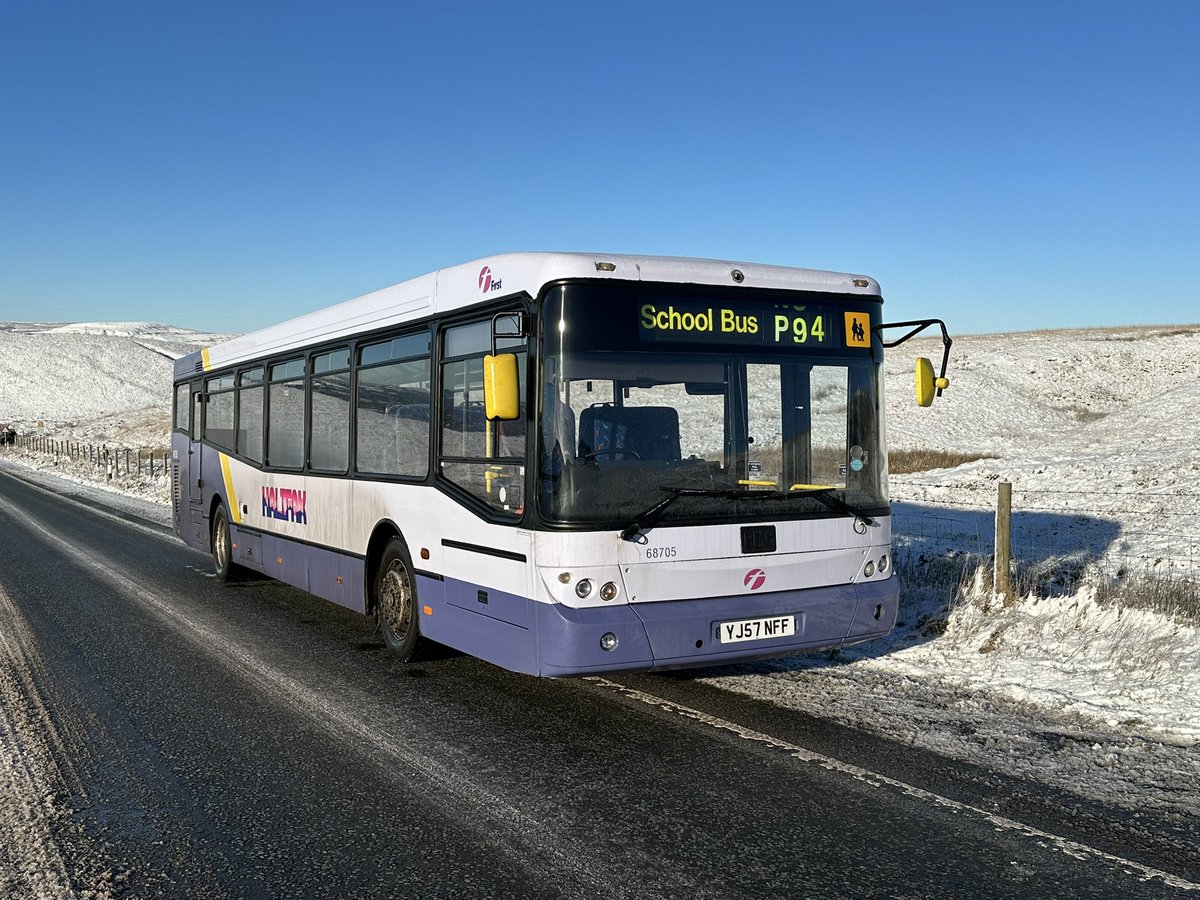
(1005, 166)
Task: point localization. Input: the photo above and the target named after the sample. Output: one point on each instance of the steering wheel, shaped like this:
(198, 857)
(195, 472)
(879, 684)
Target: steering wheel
(616, 454)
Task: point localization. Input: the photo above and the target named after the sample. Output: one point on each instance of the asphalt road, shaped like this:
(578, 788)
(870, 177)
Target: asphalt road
(204, 740)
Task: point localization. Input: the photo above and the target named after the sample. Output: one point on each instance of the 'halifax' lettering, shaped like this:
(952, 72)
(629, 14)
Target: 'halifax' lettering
(285, 504)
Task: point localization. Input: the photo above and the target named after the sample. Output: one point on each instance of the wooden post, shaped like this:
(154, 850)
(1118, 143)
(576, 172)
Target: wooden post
(1002, 576)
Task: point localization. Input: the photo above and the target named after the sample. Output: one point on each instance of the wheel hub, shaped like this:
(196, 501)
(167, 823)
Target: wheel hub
(395, 601)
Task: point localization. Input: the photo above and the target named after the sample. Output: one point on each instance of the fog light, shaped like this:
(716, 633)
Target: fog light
(608, 642)
(564, 577)
(608, 591)
(584, 588)
(869, 570)
(883, 563)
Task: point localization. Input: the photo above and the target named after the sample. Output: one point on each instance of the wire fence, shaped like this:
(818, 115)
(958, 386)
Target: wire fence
(111, 462)
(1059, 537)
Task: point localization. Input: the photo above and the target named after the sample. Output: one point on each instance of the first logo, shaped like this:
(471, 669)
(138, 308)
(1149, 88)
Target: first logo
(486, 282)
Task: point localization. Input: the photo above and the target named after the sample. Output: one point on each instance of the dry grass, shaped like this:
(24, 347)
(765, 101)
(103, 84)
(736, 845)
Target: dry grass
(1178, 598)
(902, 462)
(1083, 414)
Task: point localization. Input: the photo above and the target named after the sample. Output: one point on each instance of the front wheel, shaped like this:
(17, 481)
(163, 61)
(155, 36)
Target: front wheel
(396, 602)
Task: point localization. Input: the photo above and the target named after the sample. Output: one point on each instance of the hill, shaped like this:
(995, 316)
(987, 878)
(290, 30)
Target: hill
(93, 381)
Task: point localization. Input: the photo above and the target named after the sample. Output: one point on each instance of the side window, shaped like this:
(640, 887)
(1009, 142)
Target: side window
(285, 423)
(485, 458)
(250, 414)
(393, 406)
(183, 406)
(218, 422)
(329, 448)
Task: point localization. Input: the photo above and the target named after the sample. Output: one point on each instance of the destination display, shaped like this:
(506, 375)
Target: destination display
(756, 324)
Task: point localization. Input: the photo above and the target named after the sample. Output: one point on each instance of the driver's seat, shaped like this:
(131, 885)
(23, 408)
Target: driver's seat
(629, 432)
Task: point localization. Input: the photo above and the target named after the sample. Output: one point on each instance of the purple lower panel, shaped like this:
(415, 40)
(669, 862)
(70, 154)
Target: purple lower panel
(333, 576)
(672, 634)
(459, 618)
(684, 633)
(569, 640)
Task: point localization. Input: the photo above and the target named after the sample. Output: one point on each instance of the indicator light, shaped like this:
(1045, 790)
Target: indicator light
(564, 577)
(608, 591)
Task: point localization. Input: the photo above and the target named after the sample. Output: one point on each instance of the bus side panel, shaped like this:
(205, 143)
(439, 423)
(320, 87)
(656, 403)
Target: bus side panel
(328, 574)
(431, 603)
(247, 548)
(489, 602)
(481, 634)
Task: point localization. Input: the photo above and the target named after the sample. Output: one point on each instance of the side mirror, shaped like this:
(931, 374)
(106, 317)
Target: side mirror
(501, 394)
(927, 385)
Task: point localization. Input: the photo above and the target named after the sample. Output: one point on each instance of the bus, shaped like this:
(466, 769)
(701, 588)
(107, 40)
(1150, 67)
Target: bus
(560, 463)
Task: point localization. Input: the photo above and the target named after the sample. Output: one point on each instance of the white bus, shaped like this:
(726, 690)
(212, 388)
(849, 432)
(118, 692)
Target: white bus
(562, 463)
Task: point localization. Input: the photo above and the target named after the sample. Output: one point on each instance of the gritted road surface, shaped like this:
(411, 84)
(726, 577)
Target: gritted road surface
(162, 734)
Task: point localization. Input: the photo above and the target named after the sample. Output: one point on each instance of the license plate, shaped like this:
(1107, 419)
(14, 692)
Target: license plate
(756, 629)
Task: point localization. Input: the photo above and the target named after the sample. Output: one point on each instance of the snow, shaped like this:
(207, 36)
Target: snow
(1088, 680)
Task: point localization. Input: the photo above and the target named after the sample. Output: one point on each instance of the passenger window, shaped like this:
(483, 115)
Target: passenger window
(285, 422)
(329, 449)
(393, 399)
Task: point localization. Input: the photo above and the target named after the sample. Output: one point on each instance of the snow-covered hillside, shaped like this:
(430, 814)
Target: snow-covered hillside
(102, 381)
(1093, 428)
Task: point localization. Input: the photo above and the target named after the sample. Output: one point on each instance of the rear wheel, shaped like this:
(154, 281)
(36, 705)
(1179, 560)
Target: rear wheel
(222, 545)
(396, 601)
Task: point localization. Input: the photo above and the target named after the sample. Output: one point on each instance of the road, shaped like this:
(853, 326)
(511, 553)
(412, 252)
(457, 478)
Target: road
(163, 734)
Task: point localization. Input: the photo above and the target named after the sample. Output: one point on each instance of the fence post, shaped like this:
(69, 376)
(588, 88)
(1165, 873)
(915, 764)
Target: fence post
(1001, 576)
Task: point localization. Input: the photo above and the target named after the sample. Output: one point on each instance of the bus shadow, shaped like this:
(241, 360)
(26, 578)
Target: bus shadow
(944, 557)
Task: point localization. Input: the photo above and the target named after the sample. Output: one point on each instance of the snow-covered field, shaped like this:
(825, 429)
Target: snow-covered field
(1090, 681)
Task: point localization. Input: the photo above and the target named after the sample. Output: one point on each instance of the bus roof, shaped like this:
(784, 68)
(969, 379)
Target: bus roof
(496, 277)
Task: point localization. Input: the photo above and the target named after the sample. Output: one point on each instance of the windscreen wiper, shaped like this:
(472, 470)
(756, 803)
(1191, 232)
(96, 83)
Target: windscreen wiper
(647, 519)
(827, 497)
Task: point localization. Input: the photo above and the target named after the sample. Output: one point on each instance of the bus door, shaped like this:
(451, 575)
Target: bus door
(194, 462)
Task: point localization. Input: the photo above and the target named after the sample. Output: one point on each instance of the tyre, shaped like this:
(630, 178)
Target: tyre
(222, 546)
(395, 596)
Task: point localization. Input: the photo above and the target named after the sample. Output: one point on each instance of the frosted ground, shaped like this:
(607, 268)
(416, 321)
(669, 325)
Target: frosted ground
(1090, 681)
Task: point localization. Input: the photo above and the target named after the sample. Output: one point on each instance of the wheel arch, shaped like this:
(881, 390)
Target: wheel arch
(381, 535)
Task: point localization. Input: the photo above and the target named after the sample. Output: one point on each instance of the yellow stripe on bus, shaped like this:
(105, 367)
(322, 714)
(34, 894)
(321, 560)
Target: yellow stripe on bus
(204, 359)
(234, 509)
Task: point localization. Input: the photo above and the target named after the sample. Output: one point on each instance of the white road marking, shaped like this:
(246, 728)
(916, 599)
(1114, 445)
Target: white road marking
(1064, 845)
(31, 863)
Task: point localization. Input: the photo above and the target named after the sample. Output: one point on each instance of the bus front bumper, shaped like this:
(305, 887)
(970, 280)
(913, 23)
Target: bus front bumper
(676, 634)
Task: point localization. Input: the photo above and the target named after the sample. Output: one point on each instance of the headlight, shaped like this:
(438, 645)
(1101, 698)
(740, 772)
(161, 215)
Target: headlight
(883, 563)
(608, 591)
(869, 570)
(584, 588)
